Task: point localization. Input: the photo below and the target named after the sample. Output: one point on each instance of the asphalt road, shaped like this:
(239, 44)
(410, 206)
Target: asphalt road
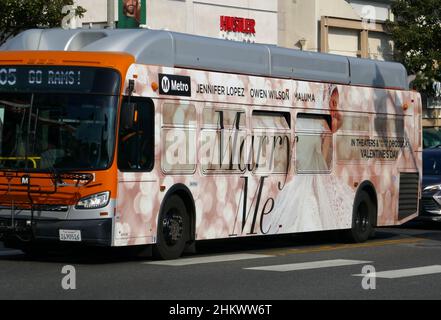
(407, 263)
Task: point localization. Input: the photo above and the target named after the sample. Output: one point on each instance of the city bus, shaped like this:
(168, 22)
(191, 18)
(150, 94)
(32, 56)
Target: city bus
(155, 139)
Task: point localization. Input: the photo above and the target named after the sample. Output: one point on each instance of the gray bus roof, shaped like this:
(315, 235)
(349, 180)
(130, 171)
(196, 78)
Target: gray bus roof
(174, 49)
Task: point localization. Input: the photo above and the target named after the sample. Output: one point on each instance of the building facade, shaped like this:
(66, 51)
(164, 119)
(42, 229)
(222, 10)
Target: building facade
(346, 27)
(229, 19)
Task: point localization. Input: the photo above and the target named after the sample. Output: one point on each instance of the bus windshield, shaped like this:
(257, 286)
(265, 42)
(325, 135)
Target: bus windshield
(57, 117)
(56, 131)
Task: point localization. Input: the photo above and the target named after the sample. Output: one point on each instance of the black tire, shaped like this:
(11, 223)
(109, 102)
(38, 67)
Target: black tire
(173, 229)
(363, 218)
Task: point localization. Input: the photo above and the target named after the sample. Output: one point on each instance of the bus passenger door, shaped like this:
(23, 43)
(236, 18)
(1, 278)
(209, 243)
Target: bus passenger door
(136, 179)
(136, 136)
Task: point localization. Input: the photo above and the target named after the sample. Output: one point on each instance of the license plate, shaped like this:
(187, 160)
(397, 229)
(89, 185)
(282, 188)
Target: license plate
(70, 235)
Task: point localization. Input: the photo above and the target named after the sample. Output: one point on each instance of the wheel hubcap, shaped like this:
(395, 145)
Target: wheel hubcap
(362, 219)
(172, 226)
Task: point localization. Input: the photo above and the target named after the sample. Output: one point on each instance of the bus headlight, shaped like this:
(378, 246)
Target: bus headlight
(94, 201)
(432, 188)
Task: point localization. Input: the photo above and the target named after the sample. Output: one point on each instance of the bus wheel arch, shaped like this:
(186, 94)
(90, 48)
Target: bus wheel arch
(179, 199)
(364, 213)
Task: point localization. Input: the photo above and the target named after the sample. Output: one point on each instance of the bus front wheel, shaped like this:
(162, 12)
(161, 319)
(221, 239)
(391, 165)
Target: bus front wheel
(173, 229)
(363, 218)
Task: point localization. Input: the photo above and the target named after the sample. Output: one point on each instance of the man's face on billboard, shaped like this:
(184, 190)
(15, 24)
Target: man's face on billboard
(131, 6)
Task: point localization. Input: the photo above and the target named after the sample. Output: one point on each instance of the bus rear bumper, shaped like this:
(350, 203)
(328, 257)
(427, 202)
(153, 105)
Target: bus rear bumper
(92, 232)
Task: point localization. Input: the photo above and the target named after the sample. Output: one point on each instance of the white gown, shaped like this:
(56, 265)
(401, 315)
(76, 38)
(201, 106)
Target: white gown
(312, 201)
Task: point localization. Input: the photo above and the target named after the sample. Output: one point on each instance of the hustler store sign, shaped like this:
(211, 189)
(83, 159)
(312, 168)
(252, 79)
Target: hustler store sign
(238, 29)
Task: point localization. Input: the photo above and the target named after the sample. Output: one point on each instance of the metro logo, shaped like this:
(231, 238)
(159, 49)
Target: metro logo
(165, 84)
(25, 180)
(174, 85)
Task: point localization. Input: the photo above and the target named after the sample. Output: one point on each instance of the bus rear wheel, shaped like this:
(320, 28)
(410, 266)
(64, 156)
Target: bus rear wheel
(173, 229)
(363, 218)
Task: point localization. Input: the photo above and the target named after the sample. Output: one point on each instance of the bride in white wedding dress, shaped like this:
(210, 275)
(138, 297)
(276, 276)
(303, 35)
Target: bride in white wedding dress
(314, 199)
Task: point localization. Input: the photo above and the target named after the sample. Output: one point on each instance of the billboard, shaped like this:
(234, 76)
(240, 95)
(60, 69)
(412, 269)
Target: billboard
(132, 13)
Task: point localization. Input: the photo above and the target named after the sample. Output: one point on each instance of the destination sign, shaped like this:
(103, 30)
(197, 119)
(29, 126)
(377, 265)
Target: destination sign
(58, 79)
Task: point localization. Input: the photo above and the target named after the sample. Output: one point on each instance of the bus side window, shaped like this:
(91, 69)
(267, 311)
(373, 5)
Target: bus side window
(136, 135)
(272, 141)
(313, 143)
(178, 138)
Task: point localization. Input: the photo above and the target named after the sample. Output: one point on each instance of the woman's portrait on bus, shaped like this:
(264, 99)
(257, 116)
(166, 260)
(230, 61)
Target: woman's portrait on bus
(335, 123)
(314, 192)
(334, 102)
(132, 9)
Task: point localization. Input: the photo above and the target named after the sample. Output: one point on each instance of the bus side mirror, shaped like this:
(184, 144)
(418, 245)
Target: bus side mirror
(128, 115)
